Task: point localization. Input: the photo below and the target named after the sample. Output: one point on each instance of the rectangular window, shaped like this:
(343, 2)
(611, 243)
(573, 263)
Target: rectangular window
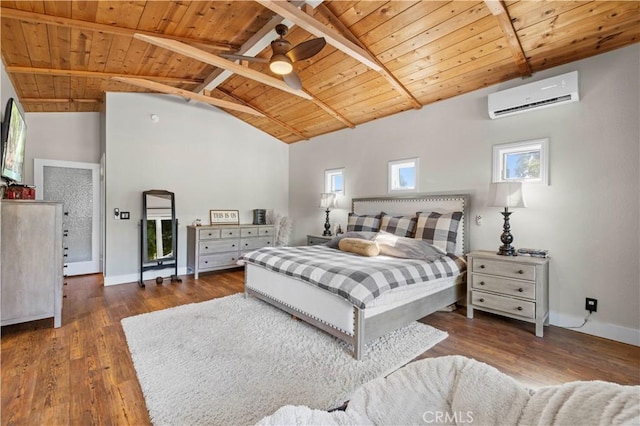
(403, 175)
(526, 161)
(334, 181)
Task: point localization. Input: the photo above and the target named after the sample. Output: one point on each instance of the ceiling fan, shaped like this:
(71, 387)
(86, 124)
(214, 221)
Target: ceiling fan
(283, 56)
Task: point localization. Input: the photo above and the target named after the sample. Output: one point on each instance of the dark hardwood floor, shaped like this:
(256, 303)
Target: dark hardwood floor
(82, 374)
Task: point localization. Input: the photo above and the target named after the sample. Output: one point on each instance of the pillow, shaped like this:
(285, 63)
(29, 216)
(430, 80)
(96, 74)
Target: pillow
(407, 248)
(402, 226)
(439, 229)
(358, 246)
(333, 243)
(363, 222)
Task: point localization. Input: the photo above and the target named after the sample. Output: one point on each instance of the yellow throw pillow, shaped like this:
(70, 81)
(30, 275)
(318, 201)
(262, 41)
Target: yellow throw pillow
(359, 246)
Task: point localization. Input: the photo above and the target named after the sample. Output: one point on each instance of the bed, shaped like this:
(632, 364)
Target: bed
(362, 318)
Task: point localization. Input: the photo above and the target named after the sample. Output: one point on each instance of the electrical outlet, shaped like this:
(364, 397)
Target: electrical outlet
(591, 305)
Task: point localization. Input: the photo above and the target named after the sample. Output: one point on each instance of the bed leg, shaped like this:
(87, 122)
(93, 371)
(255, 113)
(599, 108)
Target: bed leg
(358, 336)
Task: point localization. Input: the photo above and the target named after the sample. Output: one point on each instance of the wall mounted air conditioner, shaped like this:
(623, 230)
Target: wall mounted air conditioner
(558, 90)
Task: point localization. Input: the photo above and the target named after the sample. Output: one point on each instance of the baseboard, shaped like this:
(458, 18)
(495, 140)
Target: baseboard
(601, 329)
(133, 278)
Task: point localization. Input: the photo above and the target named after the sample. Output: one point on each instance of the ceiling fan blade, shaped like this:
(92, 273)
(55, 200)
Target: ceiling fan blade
(243, 58)
(306, 49)
(293, 80)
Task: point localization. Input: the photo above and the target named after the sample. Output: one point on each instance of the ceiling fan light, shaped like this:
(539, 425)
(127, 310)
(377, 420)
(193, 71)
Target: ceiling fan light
(280, 64)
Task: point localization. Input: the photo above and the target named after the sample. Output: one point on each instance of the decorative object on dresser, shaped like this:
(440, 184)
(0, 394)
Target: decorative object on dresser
(32, 266)
(224, 217)
(215, 247)
(506, 194)
(158, 235)
(313, 240)
(516, 287)
(328, 201)
(259, 216)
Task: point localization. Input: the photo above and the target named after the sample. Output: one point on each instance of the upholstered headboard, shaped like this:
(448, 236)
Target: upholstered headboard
(441, 203)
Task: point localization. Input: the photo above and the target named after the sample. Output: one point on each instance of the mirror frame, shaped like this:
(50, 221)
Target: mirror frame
(174, 225)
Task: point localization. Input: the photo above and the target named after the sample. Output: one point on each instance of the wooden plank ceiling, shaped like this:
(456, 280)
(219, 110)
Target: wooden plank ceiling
(381, 57)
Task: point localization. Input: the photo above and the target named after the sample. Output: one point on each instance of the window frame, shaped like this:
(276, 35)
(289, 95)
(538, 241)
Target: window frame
(329, 174)
(393, 176)
(500, 150)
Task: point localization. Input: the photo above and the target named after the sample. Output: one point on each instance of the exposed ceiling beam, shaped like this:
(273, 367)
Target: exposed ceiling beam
(59, 100)
(301, 19)
(498, 10)
(385, 72)
(217, 61)
(163, 88)
(335, 114)
(270, 117)
(41, 18)
(95, 74)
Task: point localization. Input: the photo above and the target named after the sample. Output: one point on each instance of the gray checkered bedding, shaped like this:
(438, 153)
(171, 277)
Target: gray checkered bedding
(358, 279)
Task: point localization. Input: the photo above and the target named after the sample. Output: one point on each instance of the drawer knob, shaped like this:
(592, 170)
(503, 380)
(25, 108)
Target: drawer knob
(249, 232)
(233, 245)
(481, 282)
(246, 244)
(520, 271)
(233, 258)
(519, 308)
(230, 233)
(206, 247)
(206, 261)
(481, 266)
(480, 300)
(521, 289)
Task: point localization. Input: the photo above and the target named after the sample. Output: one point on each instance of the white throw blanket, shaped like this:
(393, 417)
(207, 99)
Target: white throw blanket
(458, 390)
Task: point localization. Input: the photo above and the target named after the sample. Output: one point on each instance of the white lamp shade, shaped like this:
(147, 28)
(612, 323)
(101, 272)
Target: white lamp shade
(506, 194)
(328, 200)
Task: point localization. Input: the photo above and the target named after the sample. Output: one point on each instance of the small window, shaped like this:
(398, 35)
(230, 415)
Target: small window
(403, 175)
(521, 161)
(334, 181)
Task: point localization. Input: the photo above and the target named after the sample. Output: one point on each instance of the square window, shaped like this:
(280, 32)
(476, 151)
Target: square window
(521, 161)
(334, 181)
(403, 175)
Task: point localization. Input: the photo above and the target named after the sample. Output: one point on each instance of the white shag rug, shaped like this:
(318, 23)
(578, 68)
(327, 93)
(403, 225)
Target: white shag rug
(235, 360)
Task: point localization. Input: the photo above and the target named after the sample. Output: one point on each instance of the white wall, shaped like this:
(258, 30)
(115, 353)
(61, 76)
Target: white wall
(208, 158)
(6, 91)
(588, 217)
(65, 136)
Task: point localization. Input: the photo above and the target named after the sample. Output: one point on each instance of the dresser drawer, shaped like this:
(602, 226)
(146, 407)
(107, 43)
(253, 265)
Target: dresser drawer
(504, 269)
(218, 246)
(265, 232)
(208, 234)
(218, 260)
(256, 243)
(248, 232)
(504, 286)
(505, 304)
(230, 233)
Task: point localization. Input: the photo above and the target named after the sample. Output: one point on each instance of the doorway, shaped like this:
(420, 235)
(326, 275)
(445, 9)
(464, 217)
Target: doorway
(77, 185)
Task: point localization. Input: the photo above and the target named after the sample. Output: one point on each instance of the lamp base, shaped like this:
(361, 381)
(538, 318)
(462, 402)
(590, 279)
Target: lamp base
(327, 226)
(507, 251)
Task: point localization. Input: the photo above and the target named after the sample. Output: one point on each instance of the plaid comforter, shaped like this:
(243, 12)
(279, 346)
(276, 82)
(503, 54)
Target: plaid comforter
(358, 279)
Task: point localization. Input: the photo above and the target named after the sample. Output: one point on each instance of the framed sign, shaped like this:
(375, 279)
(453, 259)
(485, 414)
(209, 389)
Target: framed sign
(224, 217)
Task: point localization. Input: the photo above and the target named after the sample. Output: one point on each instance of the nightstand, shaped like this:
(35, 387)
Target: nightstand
(313, 240)
(512, 286)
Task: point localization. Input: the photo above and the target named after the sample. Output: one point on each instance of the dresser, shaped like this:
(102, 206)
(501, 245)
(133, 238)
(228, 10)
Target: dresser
(31, 264)
(512, 286)
(215, 247)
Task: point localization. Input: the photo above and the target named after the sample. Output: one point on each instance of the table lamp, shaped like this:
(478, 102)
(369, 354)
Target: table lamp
(506, 194)
(327, 202)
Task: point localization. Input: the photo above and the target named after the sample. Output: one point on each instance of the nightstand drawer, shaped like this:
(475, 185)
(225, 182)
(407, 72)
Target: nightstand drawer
(505, 304)
(504, 286)
(504, 269)
(315, 240)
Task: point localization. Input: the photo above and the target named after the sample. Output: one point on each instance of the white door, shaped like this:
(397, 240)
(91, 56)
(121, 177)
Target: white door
(77, 185)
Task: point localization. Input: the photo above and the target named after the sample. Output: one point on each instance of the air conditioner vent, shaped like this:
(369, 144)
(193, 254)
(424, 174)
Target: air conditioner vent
(552, 91)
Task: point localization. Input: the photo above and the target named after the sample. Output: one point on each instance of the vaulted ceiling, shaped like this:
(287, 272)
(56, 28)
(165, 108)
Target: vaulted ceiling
(381, 57)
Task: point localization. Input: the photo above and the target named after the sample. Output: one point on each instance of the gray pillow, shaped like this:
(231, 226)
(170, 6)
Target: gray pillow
(363, 235)
(407, 248)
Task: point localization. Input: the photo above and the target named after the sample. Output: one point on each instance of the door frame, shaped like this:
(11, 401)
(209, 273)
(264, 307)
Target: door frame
(95, 265)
